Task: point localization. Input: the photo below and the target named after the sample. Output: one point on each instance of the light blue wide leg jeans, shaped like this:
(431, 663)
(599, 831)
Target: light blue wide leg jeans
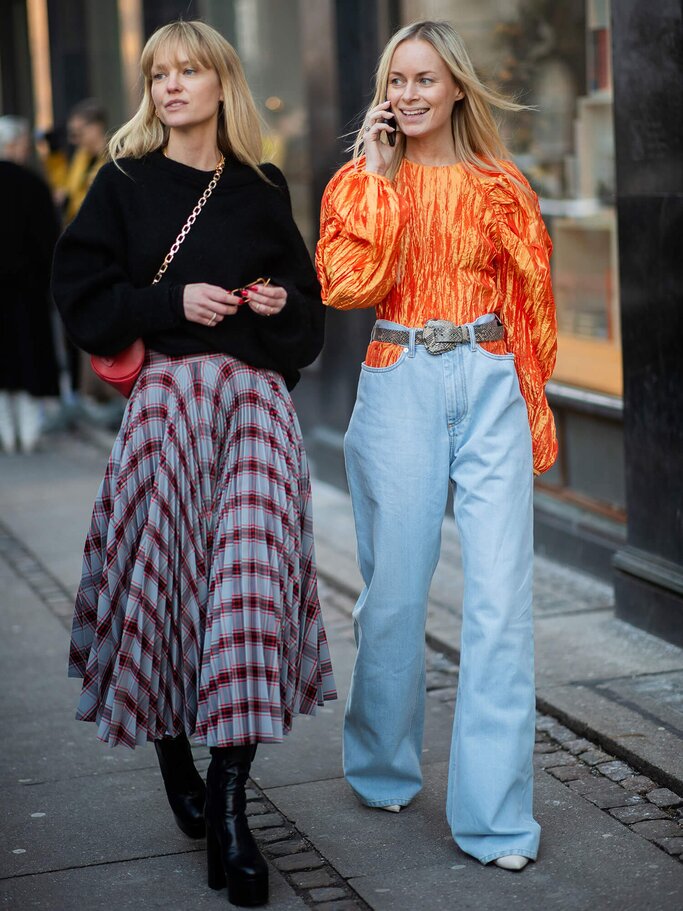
(417, 426)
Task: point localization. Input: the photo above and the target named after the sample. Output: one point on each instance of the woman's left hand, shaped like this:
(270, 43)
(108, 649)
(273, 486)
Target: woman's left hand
(266, 300)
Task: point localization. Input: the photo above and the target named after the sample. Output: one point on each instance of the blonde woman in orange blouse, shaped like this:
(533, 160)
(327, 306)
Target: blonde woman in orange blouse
(442, 234)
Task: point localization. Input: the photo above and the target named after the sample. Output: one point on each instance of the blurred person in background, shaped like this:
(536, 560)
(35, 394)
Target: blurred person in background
(198, 611)
(28, 232)
(87, 132)
(55, 160)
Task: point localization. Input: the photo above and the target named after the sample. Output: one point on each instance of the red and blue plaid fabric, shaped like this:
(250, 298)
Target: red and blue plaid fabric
(198, 607)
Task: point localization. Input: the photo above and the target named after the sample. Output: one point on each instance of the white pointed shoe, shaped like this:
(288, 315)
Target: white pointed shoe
(8, 439)
(28, 415)
(392, 808)
(512, 862)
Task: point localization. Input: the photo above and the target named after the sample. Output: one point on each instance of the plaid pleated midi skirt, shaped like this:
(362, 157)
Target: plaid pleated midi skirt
(198, 609)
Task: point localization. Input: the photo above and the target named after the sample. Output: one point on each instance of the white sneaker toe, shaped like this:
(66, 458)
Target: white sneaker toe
(512, 862)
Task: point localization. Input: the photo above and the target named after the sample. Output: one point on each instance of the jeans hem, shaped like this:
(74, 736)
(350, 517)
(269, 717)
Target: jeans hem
(375, 804)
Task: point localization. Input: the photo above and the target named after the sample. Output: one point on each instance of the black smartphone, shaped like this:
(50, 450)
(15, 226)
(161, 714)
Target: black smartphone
(391, 137)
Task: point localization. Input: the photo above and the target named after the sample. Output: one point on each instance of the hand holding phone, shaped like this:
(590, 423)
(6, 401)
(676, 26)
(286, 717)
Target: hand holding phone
(379, 153)
(391, 137)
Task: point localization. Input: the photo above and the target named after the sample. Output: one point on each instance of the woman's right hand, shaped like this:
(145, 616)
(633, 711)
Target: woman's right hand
(208, 305)
(378, 154)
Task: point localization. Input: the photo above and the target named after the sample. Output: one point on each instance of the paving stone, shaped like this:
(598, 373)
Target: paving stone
(616, 770)
(266, 821)
(658, 828)
(578, 746)
(604, 793)
(562, 734)
(327, 895)
(268, 836)
(290, 846)
(545, 722)
(671, 845)
(313, 879)
(256, 808)
(338, 906)
(445, 695)
(570, 772)
(557, 758)
(545, 746)
(638, 783)
(637, 813)
(663, 797)
(308, 860)
(595, 757)
(439, 680)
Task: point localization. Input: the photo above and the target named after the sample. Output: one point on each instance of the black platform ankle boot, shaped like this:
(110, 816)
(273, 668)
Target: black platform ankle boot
(232, 854)
(185, 788)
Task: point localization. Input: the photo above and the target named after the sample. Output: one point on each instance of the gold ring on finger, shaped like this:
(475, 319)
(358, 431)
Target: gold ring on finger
(212, 320)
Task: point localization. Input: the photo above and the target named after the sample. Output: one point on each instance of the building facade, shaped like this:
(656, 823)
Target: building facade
(611, 198)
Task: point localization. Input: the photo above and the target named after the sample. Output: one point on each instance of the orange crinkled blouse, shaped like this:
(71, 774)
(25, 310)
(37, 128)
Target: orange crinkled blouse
(444, 242)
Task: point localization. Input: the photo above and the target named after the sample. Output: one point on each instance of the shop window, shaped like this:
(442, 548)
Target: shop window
(262, 29)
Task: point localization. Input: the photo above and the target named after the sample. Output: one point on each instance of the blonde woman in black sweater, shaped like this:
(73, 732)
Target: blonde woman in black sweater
(198, 612)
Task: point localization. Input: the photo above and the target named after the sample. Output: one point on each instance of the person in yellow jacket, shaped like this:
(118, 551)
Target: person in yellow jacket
(87, 127)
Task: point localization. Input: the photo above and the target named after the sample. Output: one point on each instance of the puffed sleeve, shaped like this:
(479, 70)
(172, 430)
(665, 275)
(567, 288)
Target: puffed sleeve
(523, 250)
(361, 223)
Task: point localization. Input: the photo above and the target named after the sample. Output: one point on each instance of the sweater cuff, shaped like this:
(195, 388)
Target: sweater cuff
(177, 294)
(158, 308)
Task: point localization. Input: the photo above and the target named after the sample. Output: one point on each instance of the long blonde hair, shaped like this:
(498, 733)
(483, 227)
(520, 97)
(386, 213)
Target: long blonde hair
(478, 143)
(239, 125)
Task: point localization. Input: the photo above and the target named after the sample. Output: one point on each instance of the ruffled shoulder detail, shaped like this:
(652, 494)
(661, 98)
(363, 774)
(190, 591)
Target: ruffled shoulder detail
(514, 207)
(508, 186)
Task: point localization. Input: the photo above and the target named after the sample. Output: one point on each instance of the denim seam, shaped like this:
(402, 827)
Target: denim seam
(462, 383)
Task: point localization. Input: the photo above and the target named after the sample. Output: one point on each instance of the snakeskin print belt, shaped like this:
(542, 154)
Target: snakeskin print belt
(440, 335)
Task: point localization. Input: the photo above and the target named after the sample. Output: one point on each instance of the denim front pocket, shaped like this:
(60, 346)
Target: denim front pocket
(389, 368)
(495, 357)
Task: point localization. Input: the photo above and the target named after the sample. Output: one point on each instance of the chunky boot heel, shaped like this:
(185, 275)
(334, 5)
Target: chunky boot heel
(232, 854)
(184, 786)
(248, 893)
(216, 874)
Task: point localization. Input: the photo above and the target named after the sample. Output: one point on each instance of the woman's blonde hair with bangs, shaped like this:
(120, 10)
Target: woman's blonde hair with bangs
(239, 124)
(478, 143)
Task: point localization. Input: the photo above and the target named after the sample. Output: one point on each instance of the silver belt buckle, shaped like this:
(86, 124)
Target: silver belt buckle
(440, 335)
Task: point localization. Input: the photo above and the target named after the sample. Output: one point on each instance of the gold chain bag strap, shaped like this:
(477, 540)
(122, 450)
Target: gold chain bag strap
(122, 370)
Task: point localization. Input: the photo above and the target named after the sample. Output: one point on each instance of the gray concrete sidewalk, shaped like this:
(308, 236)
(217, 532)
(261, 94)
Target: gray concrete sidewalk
(88, 828)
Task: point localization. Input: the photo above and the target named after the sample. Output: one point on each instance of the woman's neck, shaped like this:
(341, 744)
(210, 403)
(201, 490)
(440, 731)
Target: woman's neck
(194, 148)
(431, 150)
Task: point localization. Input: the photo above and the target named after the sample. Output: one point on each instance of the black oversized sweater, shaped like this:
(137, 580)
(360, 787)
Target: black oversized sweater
(108, 256)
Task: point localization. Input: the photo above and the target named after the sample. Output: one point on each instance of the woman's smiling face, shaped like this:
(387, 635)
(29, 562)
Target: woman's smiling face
(422, 91)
